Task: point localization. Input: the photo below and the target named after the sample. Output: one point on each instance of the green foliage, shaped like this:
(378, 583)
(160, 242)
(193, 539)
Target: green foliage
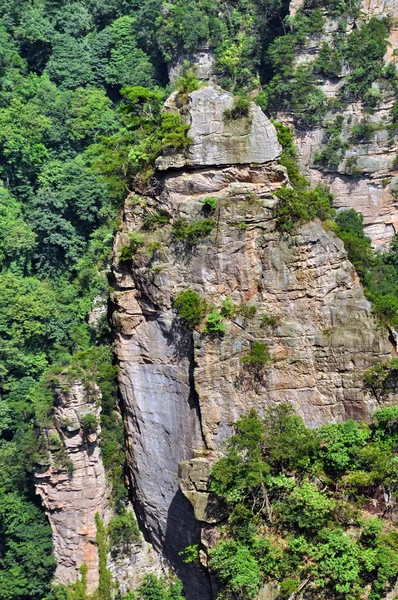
(364, 52)
(257, 355)
(105, 581)
(129, 250)
(192, 232)
(240, 109)
(191, 308)
(299, 206)
(209, 204)
(155, 588)
(237, 569)
(382, 379)
(293, 518)
(215, 325)
(122, 532)
(89, 423)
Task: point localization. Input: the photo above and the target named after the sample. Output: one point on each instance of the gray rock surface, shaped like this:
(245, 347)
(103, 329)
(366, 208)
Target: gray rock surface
(217, 140)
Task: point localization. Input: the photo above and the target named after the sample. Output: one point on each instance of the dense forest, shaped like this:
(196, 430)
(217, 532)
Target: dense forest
(76, 135)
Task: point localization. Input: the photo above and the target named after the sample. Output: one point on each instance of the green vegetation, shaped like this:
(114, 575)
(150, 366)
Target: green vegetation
(192, 233)
(122, 532)
(155, 588)
(104, 591)
(296, 502)
(89, 423)
(209, 204)
(382, 379)
(128, 251)
(258, 355)
(378, 272)
(215, 325)
(297, 206)
(239, 110)
(82, 86)
(191, 308)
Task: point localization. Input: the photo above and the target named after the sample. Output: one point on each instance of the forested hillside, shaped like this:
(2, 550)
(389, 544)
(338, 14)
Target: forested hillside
(82, 85)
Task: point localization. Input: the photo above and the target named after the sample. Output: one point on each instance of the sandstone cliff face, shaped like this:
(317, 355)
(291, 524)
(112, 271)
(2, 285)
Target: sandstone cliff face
(372, 191)
(182, 391)
(73, 488)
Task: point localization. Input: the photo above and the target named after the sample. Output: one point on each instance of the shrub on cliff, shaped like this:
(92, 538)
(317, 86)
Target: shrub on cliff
(295, 500)
(191, 308)
(258, 355)
(192, 232)
(296, 207)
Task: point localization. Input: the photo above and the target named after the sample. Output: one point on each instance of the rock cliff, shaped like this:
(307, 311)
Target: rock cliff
(366, 177)
(73, 487)
(180, 391)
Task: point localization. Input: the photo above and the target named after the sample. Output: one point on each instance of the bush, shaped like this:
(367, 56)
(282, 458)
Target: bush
(363, 131)
(240, 109)
(382, 379)
(127, 252)
(270, 321)
(154, 220)
(296, 207)
(191, 308)
(89, 423)
(258, 355)
(236, 568)
(209, 204)
(214, 324)
(193, 232)
(288, 491)
(122, 532)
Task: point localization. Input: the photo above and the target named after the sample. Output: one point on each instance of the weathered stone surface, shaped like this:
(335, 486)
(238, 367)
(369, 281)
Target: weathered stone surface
(217, 140)
(181, 391)
(369, 191)
(72, 496)
(204, 61)
(194, 477)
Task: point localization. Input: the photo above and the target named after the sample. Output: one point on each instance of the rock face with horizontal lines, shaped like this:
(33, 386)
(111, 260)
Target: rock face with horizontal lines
(73, 486)
(365, 178)
(182, 391)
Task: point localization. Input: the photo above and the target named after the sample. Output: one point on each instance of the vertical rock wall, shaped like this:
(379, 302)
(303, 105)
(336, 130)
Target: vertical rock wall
(73, 488)
(374, 192)
(182, 391)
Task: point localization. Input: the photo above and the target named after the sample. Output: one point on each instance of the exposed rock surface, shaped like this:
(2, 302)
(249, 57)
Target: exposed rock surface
(182, 391)
(218, 140)
(73, 488)
(370, 191)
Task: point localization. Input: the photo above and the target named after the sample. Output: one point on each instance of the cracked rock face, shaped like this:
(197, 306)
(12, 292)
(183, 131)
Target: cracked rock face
(299, 295)
(73, 488)
(182, 391)
(371, 191)
(218, 140)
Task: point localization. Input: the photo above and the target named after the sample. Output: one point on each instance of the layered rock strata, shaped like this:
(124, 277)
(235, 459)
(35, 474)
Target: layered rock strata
(298, 295)
(370, 187)
(73, 487)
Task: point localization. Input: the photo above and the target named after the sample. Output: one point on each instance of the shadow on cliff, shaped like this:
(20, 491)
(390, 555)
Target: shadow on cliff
(184, 530)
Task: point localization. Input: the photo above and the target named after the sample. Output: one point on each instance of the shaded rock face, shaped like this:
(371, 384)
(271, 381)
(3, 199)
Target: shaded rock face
(73, 488)
(218, 140)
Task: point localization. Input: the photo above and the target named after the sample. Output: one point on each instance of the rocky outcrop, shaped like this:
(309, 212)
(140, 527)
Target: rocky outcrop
(297, 295)
(219, 140)
(364, 179)
(73, 486)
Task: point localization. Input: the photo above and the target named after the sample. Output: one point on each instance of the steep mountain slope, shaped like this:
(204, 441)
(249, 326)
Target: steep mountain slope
(181, 391)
